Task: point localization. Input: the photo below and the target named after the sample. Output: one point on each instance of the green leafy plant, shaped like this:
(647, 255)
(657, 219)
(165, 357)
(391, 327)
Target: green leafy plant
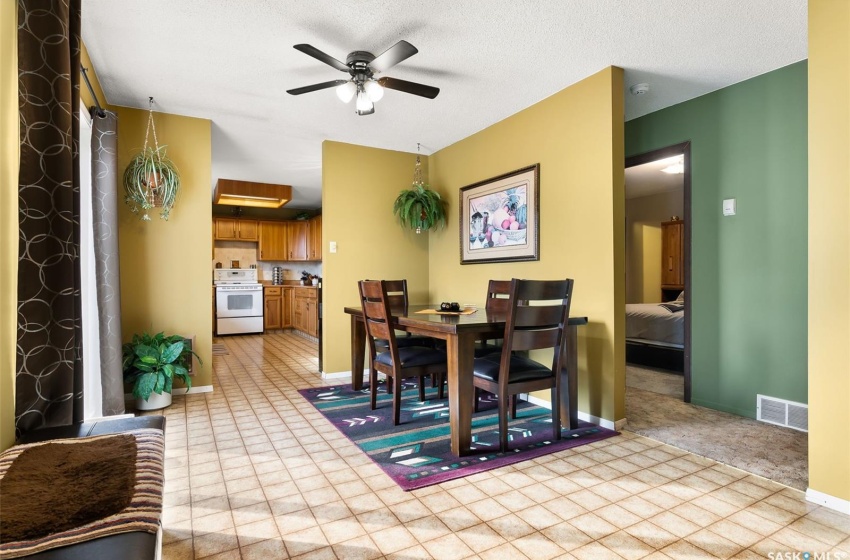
(151, 362)
(151, 180)
(420, 208)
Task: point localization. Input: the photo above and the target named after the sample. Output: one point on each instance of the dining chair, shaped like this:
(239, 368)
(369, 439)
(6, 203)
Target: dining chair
(536, 319)
(399, 301)
(497, 302)
(397, 363)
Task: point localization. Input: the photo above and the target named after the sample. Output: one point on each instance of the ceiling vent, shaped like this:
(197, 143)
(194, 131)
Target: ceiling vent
(782, 413)
(245, 193)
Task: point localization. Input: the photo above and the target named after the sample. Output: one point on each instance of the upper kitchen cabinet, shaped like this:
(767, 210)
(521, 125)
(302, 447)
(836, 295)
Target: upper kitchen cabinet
(296, 240)
(314, 240)
(231, 229)
(273, 242)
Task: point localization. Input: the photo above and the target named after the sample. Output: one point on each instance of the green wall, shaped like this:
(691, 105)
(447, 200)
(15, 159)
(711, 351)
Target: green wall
(749, 283)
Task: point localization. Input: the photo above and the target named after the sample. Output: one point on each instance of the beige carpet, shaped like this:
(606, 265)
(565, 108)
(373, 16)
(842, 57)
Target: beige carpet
(654, 408)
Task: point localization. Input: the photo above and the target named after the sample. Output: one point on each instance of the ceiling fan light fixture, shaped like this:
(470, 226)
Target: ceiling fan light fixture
(364, 104)
(373, 90)
(346, 91)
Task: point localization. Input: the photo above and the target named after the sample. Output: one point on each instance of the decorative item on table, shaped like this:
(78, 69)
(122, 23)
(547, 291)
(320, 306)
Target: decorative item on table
(306, 278)
(151, 179)
(450, 306)
(151, 362)
(419, 207)
(499, 218)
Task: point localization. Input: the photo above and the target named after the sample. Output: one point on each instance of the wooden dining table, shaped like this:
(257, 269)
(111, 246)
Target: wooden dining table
(460, 333)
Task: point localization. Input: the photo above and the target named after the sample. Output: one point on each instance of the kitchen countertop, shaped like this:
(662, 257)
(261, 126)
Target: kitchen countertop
(286, 284)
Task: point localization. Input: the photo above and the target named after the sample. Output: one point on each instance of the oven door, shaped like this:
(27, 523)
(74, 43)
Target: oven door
(233, 301)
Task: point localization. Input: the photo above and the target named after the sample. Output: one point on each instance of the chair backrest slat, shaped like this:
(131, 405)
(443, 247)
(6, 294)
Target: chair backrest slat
(396, 291)
(498, 296)
(537, 318)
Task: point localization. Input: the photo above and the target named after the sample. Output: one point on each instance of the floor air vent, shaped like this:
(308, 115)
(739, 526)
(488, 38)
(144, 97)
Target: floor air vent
(782, 413)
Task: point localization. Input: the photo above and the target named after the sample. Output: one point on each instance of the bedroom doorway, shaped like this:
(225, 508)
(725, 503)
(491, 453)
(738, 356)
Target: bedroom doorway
(658, 271)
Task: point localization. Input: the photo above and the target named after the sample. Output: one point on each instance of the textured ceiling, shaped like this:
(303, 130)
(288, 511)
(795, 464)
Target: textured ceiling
(232, 61)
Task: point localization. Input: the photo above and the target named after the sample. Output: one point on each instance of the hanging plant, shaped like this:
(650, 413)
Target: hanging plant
(151, 179)
(419, 207)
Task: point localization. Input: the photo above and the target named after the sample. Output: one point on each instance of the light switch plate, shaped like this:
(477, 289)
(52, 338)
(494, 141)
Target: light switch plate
(729, 207)
(332, 247)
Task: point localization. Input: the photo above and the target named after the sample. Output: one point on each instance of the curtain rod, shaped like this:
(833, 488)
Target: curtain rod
(100, 112)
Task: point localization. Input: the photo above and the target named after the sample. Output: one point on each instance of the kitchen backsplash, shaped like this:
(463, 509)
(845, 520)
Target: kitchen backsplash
(246, 254)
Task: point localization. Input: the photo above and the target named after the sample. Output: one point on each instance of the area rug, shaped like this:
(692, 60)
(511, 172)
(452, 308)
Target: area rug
(417, 452)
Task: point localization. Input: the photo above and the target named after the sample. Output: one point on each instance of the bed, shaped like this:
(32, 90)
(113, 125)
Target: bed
(655, 334)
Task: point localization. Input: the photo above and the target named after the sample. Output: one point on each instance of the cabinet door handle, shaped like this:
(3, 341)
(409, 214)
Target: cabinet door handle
(670, 264)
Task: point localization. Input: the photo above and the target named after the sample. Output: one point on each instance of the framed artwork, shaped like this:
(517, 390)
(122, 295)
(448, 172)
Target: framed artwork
(499, 218)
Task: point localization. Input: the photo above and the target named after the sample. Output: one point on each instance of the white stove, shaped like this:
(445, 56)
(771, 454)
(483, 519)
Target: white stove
(238, 301)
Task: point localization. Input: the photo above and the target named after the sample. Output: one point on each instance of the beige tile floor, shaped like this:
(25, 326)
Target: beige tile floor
(254, 472)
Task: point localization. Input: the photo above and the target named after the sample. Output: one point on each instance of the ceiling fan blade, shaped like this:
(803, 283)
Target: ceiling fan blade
(315, 87)
(319, 55)
(409, 87)
(392, 56)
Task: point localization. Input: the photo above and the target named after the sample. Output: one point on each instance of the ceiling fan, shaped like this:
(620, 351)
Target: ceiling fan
(362, 66)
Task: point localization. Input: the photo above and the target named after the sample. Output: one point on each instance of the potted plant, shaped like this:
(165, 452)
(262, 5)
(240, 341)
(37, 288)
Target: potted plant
(151, 362)
(420, 208)
(151, 180)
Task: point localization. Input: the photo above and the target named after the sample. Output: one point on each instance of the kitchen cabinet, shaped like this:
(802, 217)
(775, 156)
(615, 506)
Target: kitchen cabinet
(272, 237)
(232, 229)
(272, 299)
(296, 240)
(305, 317)
(277, 304)
(286, 308)
(314, 240)
(672, 256)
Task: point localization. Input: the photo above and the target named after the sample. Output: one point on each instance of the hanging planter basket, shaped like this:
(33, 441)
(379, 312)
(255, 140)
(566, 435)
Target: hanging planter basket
(151, 180)
(420, 208)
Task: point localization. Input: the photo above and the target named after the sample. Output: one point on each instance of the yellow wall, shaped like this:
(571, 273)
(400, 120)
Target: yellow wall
(829, 247)
(9, 158)
(576, 136)
(165, 277)
(644, 215)
(359, 186)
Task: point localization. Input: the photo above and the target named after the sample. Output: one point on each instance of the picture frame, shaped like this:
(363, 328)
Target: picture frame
(488, 211)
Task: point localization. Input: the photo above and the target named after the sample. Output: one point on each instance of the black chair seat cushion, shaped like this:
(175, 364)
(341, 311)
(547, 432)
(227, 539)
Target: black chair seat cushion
(413, 356)
(521, 369)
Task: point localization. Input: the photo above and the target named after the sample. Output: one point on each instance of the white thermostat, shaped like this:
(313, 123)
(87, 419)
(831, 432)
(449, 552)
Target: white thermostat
(729, 207)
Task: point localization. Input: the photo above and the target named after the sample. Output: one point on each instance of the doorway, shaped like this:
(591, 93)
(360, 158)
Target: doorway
(658, 263)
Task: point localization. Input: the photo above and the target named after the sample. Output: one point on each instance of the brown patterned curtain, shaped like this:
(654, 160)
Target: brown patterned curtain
(49, 369)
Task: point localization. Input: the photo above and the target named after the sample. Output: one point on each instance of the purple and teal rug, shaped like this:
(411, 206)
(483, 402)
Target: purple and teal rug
(417, 452)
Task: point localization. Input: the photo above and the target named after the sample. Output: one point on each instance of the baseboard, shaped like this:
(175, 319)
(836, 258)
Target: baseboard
(181, 391)
(336, 375)
(581, 415)
(195, 389)
(838, 504)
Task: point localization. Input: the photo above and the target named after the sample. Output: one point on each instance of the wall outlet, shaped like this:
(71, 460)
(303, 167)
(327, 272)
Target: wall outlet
(332, 246)
(729, 207)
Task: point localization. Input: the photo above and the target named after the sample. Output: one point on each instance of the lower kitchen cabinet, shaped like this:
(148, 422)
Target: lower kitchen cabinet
(272, 299)
(284, 309)
(306, 315)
